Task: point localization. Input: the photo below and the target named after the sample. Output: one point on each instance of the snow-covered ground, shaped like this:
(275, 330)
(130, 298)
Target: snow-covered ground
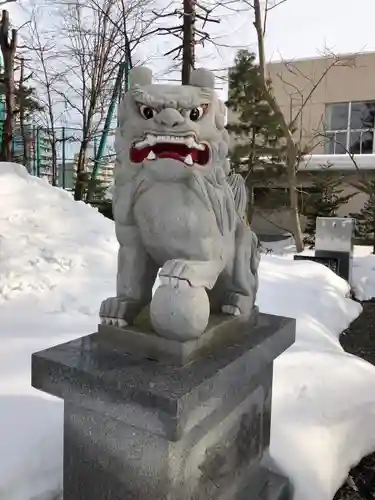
(363, 265)
(58, 261)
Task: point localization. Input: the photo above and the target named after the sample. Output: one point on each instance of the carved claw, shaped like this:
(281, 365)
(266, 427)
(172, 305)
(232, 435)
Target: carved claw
(121, 323)
(196, 273)
(174, 282)
(115, 311)
(232, 310)
(174, 273)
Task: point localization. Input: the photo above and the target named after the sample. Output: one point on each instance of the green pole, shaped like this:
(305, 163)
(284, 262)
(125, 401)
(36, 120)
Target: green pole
(107, 124)
(63, 157)
(38, 152)
(34, 151)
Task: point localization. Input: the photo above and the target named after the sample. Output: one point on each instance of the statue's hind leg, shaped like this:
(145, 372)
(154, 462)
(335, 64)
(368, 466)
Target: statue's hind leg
(236, 289)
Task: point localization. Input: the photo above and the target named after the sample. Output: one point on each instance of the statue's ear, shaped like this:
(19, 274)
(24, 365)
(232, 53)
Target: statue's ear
(202, 78)
(140, 76)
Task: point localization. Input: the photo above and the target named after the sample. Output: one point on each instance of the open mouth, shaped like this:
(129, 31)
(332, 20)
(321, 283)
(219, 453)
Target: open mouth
(182, 148)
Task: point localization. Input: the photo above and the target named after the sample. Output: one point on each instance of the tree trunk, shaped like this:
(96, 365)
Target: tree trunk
(250, 205)
(81, 180)
(24, 135)
(8, 49)
(188, 44)
(8, 123)
(54, 158)
(249, 181)
(292, 156)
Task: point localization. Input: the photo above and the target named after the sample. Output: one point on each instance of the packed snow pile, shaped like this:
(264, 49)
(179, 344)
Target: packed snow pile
(364, 273)
(50, 247)
(58, 261)
(363, 276)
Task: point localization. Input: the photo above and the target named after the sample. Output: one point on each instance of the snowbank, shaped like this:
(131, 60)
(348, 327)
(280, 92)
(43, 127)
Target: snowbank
(364, 273)
(363, 278)
(57, 262)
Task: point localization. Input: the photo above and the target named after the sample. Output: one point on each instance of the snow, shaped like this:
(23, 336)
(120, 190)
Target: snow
(363, 276)
(58, 261)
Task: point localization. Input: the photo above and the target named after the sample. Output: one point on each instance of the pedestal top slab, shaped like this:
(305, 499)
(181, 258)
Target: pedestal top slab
(81, 372)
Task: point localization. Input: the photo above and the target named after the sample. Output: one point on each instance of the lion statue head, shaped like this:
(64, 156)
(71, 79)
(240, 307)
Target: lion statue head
(172, 131)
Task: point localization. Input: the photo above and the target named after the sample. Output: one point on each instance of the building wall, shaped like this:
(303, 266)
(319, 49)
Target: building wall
(352, 80)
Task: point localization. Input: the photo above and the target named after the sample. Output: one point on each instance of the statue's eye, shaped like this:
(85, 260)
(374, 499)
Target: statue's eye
(146, 111)
(197, 113)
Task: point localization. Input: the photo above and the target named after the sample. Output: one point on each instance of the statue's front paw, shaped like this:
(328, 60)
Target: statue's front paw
(114, 311)
(174, 282)
(175, 274)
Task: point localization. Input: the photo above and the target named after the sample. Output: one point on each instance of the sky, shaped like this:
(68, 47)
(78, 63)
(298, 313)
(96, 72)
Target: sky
(295, 29)
(301, 28)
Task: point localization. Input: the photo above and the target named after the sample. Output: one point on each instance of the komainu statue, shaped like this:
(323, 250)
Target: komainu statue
(177, 210)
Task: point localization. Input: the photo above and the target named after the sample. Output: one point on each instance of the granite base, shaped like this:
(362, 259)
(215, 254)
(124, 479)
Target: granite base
(141, 429)
(143, 342)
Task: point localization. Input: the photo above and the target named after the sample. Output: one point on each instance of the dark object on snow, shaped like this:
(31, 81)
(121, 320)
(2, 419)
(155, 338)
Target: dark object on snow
(359, 339)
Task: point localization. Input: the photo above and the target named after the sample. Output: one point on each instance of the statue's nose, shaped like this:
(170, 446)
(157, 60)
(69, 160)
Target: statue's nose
(169, 117)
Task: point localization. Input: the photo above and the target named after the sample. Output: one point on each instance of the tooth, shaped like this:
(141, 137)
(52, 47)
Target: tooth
(141, 144)
(151, 139)
(189, 141)
(188, 160)
(151, 155)
(200, 147)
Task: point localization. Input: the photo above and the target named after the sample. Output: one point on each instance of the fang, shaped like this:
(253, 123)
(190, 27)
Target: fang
(151, 155)
(188, 160)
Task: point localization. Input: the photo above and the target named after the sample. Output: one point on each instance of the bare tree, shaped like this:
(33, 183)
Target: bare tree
(47, 68)
(293, 152)
(187, 32)
(22, 113)
(76, 72)
(93, 52)
(8, 45)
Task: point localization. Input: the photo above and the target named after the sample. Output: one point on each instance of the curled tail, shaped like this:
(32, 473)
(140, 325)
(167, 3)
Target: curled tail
(238, 186)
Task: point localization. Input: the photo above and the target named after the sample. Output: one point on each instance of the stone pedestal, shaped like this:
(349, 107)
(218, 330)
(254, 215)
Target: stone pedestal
(139, 429)
(334, 240)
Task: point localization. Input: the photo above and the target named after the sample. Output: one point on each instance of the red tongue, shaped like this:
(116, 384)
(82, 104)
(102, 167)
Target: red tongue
(177, 156)
(170, 154)
(175, 152)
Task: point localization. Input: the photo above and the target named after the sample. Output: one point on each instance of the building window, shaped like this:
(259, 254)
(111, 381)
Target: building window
(350, 127)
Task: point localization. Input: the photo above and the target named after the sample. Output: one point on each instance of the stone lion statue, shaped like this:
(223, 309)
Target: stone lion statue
(176, 208)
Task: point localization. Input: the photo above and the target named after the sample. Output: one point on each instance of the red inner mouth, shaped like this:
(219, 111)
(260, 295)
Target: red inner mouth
(170, 150)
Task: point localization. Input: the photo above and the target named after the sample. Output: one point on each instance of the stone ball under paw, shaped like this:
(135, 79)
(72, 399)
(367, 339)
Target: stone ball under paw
(180, 313)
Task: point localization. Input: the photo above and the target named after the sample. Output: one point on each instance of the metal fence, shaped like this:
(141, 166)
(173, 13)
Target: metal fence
(33, 148)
